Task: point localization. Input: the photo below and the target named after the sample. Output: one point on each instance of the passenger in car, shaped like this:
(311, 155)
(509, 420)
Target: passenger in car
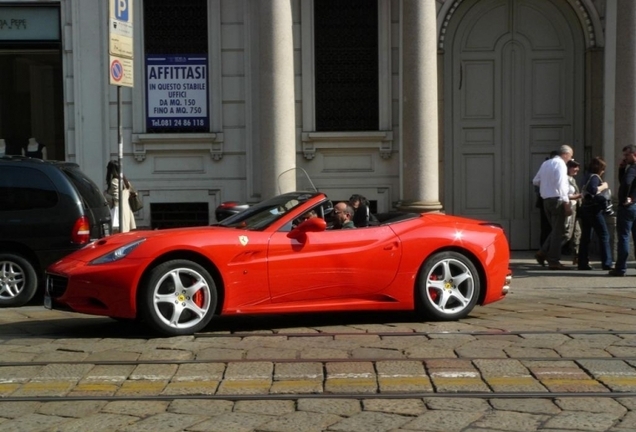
(360, 210)
(362, 216)
(344, 215)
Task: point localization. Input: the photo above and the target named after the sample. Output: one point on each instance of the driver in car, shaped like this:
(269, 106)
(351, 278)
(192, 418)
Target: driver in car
(305, 216)
(310, 214)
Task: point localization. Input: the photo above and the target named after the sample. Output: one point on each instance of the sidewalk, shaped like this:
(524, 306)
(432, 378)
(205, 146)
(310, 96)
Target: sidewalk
(528, 274)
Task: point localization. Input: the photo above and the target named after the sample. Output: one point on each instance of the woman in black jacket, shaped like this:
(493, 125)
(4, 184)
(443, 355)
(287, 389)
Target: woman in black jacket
(592, 213)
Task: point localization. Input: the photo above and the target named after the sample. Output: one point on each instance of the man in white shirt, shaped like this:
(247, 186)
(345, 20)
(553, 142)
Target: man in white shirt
(552, 180)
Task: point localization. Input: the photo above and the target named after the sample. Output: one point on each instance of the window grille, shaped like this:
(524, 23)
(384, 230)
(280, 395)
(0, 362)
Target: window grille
(175, 27)
(346, 65)
(175, 215)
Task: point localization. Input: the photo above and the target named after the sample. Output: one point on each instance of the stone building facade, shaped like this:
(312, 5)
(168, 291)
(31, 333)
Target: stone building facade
(416, 104)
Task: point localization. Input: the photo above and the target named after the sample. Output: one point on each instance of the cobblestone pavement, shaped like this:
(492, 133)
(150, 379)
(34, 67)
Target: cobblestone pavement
(558, 354)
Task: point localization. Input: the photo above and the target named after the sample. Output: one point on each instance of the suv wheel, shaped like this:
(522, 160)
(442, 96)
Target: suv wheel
(18, 280)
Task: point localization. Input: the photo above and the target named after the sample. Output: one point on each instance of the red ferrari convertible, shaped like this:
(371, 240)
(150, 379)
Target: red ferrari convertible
(267, 259)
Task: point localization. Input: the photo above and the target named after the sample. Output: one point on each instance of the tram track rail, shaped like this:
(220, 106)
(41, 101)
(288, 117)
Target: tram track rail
(301, 360)
(403, 395)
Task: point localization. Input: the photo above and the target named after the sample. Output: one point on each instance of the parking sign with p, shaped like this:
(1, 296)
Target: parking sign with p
(121, 10)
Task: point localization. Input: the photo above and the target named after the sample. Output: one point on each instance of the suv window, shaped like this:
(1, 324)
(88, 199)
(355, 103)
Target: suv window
(25, 189)
(87, 189)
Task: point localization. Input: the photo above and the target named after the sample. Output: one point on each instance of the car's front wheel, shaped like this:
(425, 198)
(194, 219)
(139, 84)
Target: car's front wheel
(18, 280)
(179, 297)
(448, 286)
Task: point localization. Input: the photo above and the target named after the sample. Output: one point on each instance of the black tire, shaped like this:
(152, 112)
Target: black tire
(18, 280)
(448, 286)
(171, 312)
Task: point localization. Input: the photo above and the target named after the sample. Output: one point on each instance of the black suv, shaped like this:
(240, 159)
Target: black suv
(48, 209)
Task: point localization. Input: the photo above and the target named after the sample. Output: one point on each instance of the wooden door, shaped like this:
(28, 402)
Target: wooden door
(514, 86)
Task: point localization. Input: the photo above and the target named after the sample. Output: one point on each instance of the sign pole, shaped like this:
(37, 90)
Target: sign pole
(120, 50)
(120, 157)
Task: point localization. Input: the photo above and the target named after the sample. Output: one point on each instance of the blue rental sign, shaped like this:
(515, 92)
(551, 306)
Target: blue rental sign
(177, 92)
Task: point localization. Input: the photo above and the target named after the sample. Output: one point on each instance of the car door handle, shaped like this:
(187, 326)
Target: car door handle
(392, 246)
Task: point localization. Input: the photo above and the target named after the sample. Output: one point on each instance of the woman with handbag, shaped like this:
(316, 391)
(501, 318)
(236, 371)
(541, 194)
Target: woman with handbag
(112, 196)
(593, 217)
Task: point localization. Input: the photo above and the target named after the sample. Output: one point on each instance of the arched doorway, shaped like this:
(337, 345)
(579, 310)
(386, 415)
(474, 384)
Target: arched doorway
(514, 91)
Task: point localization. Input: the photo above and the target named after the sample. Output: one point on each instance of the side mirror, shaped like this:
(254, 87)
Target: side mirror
(314, 224)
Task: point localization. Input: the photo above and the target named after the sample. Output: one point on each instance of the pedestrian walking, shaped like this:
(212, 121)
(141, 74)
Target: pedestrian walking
(572, 225)
(592, 214)
(545, 222)
(552, 179)
(626, 214)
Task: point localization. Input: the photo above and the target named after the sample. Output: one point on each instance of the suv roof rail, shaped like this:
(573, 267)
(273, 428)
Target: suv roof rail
(35, 160)
(20, 157)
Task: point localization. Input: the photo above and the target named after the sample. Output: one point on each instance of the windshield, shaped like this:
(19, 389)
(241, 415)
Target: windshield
(295, 179)
(265, 213)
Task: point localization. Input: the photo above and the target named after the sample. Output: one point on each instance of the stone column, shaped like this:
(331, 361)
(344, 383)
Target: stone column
(625, 126)
(88, 139)
(625, 96)
(277, 104)
(420, 146)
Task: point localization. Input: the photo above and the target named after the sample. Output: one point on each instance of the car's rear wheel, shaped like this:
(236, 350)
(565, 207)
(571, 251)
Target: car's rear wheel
(18, 280)
(179, 297)
(448, 286)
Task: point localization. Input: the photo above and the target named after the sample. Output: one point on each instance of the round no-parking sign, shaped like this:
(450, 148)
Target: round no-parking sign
(121, 71)
(116, 70)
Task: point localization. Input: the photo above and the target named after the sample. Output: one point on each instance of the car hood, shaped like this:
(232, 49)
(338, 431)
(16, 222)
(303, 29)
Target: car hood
(193, 237)
(172, 233)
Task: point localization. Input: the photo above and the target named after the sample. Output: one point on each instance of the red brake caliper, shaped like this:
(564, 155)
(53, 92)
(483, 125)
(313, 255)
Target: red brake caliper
(432, 292)
(198, 298)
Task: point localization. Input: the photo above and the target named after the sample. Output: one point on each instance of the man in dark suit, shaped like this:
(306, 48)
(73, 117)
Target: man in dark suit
(626, 214)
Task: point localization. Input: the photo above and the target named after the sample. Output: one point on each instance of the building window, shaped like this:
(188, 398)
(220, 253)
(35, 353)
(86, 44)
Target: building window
(346, 65)
(172, 27)
(32, 97)
(177, 34)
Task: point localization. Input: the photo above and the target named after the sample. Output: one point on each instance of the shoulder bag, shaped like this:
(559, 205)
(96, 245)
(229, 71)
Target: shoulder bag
(134, 200)
(602, 199)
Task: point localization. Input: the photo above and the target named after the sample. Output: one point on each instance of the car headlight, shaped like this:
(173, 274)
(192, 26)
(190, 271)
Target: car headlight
(118, 254)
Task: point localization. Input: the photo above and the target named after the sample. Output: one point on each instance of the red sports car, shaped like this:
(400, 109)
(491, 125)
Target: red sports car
(267, 259)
